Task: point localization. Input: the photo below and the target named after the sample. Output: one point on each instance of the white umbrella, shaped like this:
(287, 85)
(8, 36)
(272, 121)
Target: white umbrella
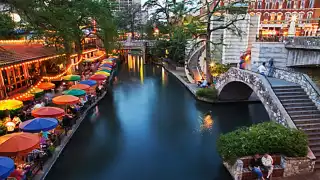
(292, 28)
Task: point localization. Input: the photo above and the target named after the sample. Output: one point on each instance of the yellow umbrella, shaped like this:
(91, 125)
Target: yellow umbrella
(10, 105)
(103, 73)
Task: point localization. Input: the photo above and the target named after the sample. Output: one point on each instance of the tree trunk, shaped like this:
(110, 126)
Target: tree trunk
(208, 56)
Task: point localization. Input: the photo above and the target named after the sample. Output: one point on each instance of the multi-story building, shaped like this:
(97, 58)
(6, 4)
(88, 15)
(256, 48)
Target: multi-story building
(275, 16)
(125, 4)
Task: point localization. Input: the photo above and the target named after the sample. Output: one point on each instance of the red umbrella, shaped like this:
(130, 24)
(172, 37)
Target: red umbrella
(18, 143)
(98, 77)
(65, 100)
(48, 112)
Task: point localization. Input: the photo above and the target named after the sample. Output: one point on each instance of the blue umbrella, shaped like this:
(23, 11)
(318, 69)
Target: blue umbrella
(106, 65)
(6, 167)
(88, 82)
(39, 124)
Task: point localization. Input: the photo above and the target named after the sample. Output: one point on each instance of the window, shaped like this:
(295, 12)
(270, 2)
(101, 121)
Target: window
(252, 4)
(309, 16)
(274, 4)
(280, 4)
(287, 17)
(259, 4)
(267, 4)
(302, 4)
(301, 14)
(289, 4)
(311, 4)
(265, 17)
(272, 16)
(279, 18)
(295, 4)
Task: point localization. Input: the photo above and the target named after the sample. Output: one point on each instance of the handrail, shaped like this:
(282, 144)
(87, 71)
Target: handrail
(304, 76)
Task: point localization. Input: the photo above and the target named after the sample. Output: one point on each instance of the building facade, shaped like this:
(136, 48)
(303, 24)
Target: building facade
(276, 15)
(125, 4)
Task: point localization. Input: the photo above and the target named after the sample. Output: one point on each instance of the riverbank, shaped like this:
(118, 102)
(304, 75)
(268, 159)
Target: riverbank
(41, 175)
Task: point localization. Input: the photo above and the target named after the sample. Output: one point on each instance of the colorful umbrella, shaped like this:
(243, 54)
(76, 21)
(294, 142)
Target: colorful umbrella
(80, 86)
(6, 167)
(65, 100)
(72, 78)
(103, 73)
(106, 65)
(46, 85)
(37, 125)
(48, 112)
(10, 105)
(36, 92)
(98, 77)
(24, 97)
(74, 92)
(105, 70)
(18, 143)
(88, 82)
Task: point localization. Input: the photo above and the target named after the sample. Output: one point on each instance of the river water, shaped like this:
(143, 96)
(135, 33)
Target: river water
(150, 128)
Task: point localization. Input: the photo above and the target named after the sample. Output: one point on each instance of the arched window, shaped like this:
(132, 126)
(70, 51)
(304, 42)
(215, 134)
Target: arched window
(267, 5)
(302, 4)
(288, 16)
(295, 4)
(265, 17)
(311, 3)
(274, 4)
(259, 6)
(280, 4)
(309, 16)
(289, 4)
(272, 16)
(279, 17)
(301, 14)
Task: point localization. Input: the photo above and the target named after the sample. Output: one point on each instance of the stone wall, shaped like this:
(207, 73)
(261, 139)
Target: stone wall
(235, 170)
(295, 166)
(264, 51)
(300, 57)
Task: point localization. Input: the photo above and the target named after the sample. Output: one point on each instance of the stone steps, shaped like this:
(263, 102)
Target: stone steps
(304, 113)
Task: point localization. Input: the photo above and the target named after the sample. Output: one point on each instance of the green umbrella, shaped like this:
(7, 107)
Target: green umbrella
(72, 78)
(37, 92)
(105, 70)
(74, 92)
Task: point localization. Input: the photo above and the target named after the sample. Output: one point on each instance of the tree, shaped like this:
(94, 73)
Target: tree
(218, 15)
(7, 26)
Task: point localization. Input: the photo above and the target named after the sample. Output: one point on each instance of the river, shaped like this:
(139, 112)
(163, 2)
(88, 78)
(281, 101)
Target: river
(150, 128)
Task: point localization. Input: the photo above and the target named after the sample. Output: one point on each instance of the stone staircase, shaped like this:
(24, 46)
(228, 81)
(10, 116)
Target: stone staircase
(193, 64)
(304, 114)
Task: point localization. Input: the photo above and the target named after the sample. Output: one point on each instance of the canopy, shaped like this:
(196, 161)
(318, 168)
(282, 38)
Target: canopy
(65, 100)
(24, 97)
(88, 82)
(6, 167)
(98, 77)
(106, 68)
(46, 85)
(107, 62)
(80, 86)
(103, 73)
(37, 125)
(106, 65)
(48, 112)
(18, 143)
(10, 105)
(75, 92)
(72, 78)
(36, 91)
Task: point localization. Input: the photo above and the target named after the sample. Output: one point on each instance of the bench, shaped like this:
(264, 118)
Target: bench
(247, 173)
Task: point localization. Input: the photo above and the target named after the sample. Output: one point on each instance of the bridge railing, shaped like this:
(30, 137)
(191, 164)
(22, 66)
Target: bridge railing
(299, 78)
(310, 42)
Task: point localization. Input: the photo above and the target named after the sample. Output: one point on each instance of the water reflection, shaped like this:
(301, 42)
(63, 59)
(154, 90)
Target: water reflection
(147, 131)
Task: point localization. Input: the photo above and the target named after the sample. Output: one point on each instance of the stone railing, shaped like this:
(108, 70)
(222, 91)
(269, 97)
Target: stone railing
(262, 88)
(302, 42)
(301, 79)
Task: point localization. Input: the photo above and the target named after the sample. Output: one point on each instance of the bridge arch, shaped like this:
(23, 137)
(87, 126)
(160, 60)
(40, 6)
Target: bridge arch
(238, 85)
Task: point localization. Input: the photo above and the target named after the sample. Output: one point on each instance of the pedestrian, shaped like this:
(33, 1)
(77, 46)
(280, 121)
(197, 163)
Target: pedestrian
(262, 69)
(267, 162)
(271, 67)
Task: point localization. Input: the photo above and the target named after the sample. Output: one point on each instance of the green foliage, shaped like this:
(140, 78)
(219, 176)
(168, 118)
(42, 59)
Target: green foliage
(177, 45)
(268, 137)
(209, 93)
(7, 26)
(3, 129)
(217, 68)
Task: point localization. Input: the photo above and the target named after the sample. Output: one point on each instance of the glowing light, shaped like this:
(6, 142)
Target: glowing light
(212, 64)
(15, 17)
(293, 18)
(10, 126)
(141, 71)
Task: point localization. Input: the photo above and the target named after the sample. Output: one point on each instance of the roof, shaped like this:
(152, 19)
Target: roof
(15, 53)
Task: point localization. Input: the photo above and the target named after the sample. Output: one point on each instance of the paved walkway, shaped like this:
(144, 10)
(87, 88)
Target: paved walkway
(312, 176)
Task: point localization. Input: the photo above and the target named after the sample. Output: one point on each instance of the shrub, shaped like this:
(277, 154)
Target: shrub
(268, 137)
(209, 93)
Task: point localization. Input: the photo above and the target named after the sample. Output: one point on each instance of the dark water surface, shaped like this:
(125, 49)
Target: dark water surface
(149, 128)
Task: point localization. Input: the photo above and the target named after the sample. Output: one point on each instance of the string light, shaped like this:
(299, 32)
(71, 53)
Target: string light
(59, 75)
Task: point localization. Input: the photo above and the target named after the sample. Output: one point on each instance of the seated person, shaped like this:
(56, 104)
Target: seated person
(204, 84)
(267, 162)
(17, 173)
(200, 82)
(256, 164)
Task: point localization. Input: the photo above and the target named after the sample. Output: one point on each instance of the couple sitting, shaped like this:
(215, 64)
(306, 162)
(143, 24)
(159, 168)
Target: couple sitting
(203, 83)
(265, 162)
